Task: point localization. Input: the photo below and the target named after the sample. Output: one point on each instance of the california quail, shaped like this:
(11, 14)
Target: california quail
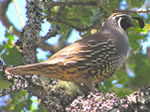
(90, 60)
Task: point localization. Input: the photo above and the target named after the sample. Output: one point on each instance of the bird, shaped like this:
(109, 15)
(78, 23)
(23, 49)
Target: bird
(90, 60)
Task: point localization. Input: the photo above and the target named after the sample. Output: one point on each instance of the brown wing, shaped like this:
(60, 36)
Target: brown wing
(79, 50)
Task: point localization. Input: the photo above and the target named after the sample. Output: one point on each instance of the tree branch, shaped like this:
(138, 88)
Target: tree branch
(53, 4)
(132, 11)
(31, 31)
(3, 6)
(51, 33)
(78, 28)
(138, 101)
(53, 49)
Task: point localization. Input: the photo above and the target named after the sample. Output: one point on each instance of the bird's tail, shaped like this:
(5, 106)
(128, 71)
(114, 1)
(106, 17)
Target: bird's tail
(38, 68)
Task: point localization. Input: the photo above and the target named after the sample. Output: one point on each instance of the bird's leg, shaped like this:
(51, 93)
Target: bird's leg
(87, 87)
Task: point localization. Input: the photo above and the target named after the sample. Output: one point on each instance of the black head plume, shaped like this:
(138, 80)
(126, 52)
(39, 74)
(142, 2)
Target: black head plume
(140, 20)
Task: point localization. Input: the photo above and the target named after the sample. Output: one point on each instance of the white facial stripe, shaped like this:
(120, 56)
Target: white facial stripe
(119, 21)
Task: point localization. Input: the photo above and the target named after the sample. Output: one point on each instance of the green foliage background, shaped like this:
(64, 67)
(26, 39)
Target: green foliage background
(80, 17)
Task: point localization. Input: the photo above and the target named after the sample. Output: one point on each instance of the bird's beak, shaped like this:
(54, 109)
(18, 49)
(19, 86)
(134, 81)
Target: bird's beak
(140, 20)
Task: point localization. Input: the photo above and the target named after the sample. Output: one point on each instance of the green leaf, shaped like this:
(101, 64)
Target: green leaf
(134, 38)
(121, 76)
(12, 57)
(111, 5)
(42, 109)
(4, 84)
(141, 67)
(1, 48)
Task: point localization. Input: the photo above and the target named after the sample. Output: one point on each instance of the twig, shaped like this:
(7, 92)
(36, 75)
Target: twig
(78, 28)
(132, 11)
(19, 13)
(45, 46)
(51, 33)
(60, 11)
(148, 53)
(52, 4)
(4, 19)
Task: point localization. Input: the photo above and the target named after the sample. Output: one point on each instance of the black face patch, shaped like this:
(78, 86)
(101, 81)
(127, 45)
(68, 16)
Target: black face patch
(126, 23)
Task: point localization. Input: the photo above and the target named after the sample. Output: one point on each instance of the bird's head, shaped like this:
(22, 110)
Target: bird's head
(123, 21)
